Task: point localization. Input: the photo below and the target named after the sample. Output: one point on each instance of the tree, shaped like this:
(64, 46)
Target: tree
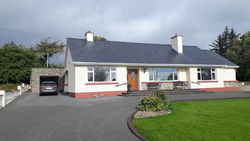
(224, 41)
(16, 63)
(100, 38)
(56, 66)
(45, 49)
(239, 53)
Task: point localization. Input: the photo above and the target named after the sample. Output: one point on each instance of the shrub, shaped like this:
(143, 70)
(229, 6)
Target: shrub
(156, 102)
(8, 87)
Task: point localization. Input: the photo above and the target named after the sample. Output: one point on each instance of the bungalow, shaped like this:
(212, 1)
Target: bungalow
(110, 67)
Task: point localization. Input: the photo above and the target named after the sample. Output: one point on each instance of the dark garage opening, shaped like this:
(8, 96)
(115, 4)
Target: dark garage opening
(49, 78)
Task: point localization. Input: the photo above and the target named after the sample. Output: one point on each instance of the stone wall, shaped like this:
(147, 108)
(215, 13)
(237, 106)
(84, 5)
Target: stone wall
(164, 86)
(37, 72)
(144, 86)
(230, 84)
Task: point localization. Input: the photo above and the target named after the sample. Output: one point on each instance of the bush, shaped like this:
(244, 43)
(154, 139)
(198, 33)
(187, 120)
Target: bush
(16, 62)
(8, 87)
(156, 102)
(162, 96)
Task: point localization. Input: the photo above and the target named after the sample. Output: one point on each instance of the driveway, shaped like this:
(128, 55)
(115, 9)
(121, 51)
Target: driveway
(61, 118)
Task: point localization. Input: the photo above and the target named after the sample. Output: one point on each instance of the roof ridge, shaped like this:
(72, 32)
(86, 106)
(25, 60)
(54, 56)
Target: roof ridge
(74, 38)
(137, 42)
(130, 42)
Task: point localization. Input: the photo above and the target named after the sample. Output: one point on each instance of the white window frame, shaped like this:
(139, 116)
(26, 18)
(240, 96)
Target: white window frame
(213, 70)
(90, 71)
(93, 74)
(177, 74)
(110, 74)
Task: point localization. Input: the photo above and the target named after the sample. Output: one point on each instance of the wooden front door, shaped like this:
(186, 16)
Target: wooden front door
(133, 78)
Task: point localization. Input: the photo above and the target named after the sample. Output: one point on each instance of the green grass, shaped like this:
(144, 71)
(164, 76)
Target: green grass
(214, 120)
(8, 87)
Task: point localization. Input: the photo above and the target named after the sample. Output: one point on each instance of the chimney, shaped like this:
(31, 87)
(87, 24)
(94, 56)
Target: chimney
(177, 43)
(89, 36)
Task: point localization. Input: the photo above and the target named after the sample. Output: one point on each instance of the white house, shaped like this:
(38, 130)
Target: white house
(109, 67)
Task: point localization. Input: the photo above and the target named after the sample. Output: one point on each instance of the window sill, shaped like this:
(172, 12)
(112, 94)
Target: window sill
(101, 83)
(207, 81)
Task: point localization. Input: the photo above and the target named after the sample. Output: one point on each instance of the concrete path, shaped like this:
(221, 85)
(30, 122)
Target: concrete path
(244, 87)
(62, 118)
(10, 96)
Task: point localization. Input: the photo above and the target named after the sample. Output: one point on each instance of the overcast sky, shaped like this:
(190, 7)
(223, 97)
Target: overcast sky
(153, 21)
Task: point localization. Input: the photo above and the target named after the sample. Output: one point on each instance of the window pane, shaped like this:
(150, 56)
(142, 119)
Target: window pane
(175, 72)
(113, 69)
(150, 74)
(113, 76)
(175, 76)
(90, 76)
(199, 76)
(102, 74)
(213, 76)
(206, 73)
(198, 69)
(213, 69)
(133, 75)
(162, 74)
(90, 69)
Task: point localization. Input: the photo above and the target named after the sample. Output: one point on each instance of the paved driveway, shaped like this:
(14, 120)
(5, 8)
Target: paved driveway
(61, 118)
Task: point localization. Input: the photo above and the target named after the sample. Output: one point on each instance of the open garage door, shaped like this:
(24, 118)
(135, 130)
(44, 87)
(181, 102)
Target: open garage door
(49, 78)
(58, 80)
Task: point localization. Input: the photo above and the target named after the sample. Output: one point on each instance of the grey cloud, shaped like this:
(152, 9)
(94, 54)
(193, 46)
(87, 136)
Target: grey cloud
(124, 20)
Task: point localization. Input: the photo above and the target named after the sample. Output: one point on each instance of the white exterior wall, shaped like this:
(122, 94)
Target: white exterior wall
(229, 74)
(182, 74)
(81, 80)
(71, 73)
(78, 79)
(143, 77)
(222, 75)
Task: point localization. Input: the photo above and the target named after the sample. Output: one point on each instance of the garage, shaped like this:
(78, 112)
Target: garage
(39, 75)
(49, 78)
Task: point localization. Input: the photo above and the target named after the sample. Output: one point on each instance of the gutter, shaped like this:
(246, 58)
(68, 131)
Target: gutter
(151, 65)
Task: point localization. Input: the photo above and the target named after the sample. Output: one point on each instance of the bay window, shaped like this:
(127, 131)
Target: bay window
(101, 74)
(206, 74)
(163, 74)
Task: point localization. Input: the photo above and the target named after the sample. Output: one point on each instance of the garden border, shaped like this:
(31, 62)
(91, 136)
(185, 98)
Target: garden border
(132, 129)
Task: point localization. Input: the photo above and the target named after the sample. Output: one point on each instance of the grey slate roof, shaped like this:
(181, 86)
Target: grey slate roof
(141, 53)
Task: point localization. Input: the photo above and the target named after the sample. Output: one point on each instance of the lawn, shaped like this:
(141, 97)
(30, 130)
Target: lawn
(213, 120)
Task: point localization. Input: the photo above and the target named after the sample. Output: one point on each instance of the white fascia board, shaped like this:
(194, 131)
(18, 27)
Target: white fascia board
(151, 65)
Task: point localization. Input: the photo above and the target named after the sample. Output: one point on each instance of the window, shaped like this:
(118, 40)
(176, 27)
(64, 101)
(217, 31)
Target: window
(206, 74)
(163, 74)
(133, 75)
(101, 74)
